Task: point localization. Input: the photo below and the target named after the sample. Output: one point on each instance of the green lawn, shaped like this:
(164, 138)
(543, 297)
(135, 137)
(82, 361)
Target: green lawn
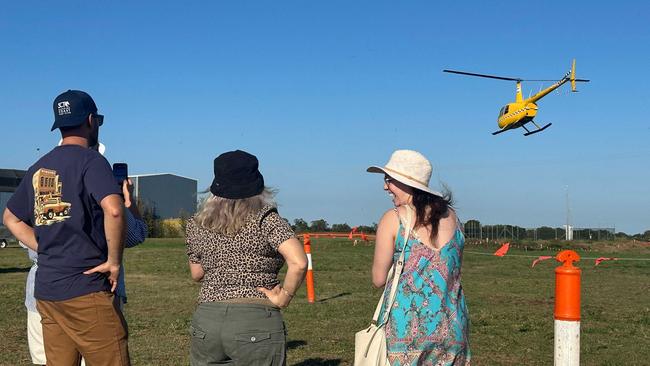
(510, 305)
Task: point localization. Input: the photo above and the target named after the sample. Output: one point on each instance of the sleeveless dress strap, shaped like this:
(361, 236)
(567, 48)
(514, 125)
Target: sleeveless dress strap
(399, 219)
(397, 213)
(266, 211)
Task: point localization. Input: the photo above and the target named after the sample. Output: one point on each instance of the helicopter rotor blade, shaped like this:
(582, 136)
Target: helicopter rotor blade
(541, 80)
(482, 75)
(505, 78)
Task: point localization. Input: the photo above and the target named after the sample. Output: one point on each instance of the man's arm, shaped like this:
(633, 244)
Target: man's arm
(136, 228)
(20, 229)
(114, 226)
(129, 202)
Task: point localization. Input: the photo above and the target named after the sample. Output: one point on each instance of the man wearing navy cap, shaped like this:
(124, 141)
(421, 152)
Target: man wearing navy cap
(72, 214)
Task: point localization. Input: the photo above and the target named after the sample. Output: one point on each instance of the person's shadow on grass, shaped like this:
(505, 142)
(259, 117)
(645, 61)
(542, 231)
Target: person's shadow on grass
(334, 297)
(14, 270)
(295, 344)
(311, 361)
(318, 362)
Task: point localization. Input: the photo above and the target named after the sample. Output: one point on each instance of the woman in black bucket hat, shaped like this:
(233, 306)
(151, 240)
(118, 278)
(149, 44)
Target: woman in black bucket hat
(236, 244)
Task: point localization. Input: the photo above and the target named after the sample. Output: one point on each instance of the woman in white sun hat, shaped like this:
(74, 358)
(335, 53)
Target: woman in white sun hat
(428, 320)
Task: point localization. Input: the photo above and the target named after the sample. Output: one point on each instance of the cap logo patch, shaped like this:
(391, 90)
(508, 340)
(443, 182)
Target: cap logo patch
(64, 108)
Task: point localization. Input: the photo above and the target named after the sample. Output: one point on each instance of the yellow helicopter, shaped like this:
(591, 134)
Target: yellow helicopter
(522, 111)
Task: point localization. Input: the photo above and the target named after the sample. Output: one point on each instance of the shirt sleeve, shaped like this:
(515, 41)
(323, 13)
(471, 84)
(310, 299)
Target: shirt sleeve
(276, 229)
(21, 202)
(136, 230)
(99, 180)
(193, 249)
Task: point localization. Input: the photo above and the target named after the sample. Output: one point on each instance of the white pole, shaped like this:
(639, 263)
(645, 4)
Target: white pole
(567, 343)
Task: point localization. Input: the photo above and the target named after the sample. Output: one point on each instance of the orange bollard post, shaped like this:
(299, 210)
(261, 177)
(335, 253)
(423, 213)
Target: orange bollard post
(309, 279)
(567, 310)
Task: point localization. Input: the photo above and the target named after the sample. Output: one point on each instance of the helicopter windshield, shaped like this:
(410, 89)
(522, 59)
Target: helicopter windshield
(503, 111)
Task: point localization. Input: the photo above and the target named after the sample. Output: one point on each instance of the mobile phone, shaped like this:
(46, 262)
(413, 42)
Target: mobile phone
(120, 172)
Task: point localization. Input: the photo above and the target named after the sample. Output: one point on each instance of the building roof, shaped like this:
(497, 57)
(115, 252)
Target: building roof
(10, 178)
(157, 174)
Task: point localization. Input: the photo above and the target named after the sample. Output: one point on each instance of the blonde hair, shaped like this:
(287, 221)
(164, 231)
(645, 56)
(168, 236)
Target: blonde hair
(227, 216)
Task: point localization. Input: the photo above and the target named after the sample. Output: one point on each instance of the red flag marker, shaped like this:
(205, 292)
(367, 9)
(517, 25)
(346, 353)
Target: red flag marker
(602, 259)
(503, 250)
(540, 258)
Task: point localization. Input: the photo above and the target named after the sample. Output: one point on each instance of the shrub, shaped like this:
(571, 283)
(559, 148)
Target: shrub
(171, 228)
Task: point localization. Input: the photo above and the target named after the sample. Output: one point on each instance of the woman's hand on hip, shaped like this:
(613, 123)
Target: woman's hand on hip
(278, 296)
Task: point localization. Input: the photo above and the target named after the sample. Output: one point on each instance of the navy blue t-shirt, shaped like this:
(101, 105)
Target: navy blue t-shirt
(60, 198)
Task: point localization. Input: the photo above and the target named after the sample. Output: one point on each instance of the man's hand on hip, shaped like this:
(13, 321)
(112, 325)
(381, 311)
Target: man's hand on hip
(109, 269)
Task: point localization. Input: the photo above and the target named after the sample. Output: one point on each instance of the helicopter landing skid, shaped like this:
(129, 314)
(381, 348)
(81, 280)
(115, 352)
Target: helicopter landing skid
(500, 131)
(539, 129)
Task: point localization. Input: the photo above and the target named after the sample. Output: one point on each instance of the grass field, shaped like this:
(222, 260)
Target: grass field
(510, 305)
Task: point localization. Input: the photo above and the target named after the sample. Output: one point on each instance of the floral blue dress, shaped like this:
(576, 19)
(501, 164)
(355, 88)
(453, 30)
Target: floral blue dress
(428, 323)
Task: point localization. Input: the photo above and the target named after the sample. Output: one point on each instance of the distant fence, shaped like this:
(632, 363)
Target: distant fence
(475, 230)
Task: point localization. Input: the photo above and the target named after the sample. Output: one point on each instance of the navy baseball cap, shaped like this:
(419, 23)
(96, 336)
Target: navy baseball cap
(72, 108)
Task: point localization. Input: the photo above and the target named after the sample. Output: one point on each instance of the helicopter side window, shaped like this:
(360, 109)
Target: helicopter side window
(503, 111)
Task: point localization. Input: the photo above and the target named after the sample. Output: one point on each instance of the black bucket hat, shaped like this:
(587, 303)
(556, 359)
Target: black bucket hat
(236, 175)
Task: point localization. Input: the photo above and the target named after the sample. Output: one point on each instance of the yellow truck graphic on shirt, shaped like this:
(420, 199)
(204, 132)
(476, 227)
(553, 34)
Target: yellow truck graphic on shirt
(49, 207)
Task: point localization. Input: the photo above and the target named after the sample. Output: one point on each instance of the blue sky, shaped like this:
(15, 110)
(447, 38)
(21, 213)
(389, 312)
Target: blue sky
(321, 90)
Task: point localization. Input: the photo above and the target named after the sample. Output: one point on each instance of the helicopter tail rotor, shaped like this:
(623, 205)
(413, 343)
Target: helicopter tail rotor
(573, 77)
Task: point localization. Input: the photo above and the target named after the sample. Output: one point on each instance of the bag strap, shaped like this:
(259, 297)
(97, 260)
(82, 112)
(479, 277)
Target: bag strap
(394, 273)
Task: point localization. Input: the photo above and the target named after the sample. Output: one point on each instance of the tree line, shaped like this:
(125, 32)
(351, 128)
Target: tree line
(301, 226)
(473, 229)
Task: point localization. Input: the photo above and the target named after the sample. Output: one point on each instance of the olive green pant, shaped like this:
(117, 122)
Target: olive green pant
(237, 334)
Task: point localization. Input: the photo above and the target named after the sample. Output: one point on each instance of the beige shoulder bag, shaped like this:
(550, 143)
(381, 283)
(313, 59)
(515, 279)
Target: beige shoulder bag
(370, 343)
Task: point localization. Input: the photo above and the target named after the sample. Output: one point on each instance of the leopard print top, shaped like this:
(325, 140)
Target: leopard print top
(236, 265)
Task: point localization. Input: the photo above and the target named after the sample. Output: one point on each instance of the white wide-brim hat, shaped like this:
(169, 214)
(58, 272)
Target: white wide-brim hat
(408, 167)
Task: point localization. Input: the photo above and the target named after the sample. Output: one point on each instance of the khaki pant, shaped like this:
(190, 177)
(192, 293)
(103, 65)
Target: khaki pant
(237, 334)
(91, 326)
